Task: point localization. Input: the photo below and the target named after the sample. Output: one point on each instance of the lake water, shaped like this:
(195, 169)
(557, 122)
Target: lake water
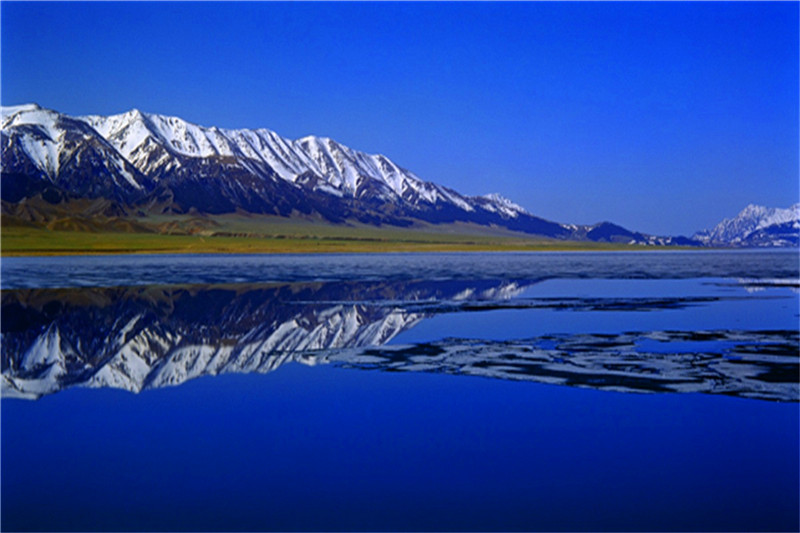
(507, 391)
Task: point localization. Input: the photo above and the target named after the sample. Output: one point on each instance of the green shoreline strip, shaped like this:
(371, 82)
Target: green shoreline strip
(21, 241)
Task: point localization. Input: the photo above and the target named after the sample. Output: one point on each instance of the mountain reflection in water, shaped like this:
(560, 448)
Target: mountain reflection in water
(138, 338)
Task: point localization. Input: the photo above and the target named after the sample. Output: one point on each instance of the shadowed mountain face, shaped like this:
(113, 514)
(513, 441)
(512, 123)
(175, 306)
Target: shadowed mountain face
(147, 163)
(139, 163)
(150, 337)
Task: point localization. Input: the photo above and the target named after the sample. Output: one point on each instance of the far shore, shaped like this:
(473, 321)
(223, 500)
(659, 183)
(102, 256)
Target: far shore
(18, 241)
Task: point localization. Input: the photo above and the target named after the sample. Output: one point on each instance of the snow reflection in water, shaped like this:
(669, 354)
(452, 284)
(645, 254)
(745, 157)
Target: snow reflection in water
(138, 338)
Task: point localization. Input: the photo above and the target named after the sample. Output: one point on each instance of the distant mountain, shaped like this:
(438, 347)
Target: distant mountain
(758, 226)
(138, 163)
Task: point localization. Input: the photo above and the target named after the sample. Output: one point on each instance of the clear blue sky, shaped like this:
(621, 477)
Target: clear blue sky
(662, 117)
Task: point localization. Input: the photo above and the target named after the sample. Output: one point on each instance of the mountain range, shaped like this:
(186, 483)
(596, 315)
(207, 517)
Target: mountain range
(756, 226)
(137, 164)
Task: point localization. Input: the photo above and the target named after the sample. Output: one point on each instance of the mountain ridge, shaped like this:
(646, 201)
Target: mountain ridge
(172, 166)
(756, 225)
(145, 163)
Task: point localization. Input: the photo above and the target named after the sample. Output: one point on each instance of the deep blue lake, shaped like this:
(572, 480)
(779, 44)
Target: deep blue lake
(653, 391)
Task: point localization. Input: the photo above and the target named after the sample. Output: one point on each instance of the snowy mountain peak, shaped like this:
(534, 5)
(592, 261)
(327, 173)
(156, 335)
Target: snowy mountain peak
(504, 205)
(13, 109)
(363, 175)
(131, 131)
(31, 106)
(314, 139)
(27, 114)
(57, 145)
(756, 225)
(339, 170)
(165, 164)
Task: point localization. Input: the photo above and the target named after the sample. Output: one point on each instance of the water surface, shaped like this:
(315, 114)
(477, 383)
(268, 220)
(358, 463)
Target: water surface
(556, 391)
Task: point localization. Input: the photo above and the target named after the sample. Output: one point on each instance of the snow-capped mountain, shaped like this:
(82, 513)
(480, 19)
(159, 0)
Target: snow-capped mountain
(148, 163)
(49, 148)
(150, 142)
(174, 166)
(756, 225)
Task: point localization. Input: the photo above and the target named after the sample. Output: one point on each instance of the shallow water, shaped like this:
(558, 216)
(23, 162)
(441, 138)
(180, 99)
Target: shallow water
(107, 271)
(585, 391)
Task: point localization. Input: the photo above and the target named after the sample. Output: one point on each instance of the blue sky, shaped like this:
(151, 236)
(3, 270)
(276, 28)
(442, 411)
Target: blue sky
(662, 117)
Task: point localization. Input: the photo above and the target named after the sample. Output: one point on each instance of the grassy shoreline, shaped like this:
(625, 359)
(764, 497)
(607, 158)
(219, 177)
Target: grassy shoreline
(26, 241)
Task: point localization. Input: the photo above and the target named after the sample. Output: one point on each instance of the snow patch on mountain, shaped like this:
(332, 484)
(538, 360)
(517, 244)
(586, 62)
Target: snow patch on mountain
(43, 145)
(168, 165)
(50, 140)
(352, 172)
(128, 131)
(341, 171)
(750, 221)
(500, 204)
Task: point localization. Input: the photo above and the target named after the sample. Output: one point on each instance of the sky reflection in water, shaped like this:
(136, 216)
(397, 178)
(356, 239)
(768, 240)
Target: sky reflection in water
(432, 404)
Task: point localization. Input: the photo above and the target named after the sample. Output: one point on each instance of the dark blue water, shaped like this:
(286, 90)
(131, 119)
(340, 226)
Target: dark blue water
(341, 393)
(332, 449)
